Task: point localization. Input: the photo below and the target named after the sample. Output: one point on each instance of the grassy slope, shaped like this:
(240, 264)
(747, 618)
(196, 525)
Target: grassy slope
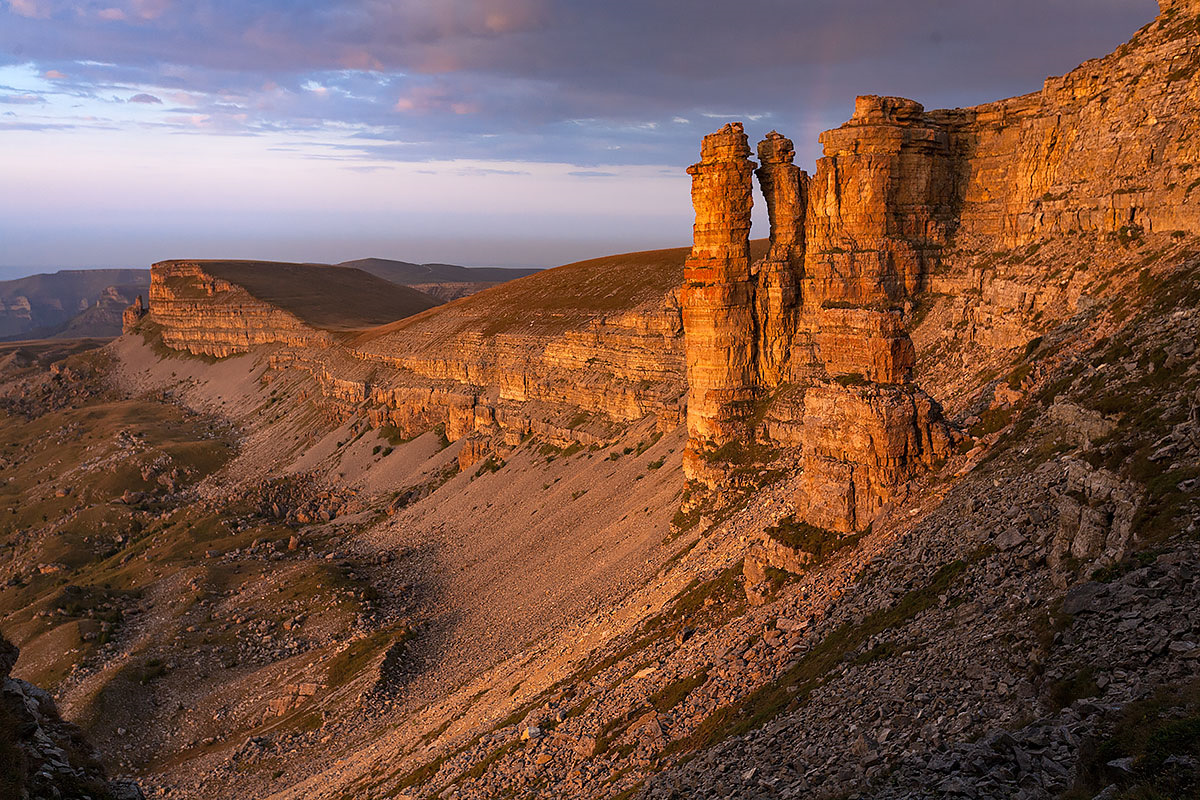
(557, 299)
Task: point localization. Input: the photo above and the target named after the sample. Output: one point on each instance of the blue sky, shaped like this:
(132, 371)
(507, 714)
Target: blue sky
(490, 132)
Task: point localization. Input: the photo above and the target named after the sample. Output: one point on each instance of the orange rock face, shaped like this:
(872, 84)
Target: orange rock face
(898, 194)
(785, 188)
(206, 315)
(132, 315)
(718, 293)
(817, 310)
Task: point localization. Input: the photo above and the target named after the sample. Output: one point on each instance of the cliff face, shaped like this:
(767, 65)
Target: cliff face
(206, 315)
(904, 201)
(565, 355)
(219, 308)
(1107, 146)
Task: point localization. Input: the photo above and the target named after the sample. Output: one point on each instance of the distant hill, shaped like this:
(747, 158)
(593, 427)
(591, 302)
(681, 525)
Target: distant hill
(88, 302)
(79, 302)
(409, 274)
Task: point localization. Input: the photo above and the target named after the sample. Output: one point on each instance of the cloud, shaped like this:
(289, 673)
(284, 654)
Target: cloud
(591, 174)
(481, 171)
(54, 75)
(142, 97)
(624, 81)
(21, 99)
(34, 9)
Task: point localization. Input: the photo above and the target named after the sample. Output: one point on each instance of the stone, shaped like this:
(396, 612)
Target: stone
(1082, 598)
(132, 315)
(717, 294)
(1010, 539)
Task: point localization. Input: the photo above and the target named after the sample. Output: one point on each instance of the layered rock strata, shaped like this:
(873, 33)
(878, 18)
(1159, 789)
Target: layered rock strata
(219, 308)
(785, 188)
(718, 295)
(900, 197)
(820, 314)
(206, 315)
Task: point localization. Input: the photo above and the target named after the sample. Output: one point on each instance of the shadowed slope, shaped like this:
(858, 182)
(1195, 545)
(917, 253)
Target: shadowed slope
(324, 297)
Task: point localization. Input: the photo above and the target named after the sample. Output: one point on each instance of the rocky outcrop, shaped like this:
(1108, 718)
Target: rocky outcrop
(132, 315)
(902, 200)
(883, 201)
(718, 295)
(203, 314)
(785, 188)
(1096, 514)
(219, 308)
(43, 756)
(1107, 146)
(822, 311)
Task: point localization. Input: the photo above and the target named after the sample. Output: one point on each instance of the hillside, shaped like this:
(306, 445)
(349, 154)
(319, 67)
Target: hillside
(69, 302)
(342, 299)
(408, 274)
(444, 281)
(902, 502)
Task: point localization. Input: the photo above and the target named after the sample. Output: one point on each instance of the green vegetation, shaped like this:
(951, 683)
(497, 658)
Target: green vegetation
(991, 421)
(821, 543)
(393, 435)
(439, 431)
(1161, 736)
(851, 379)
(479, 768)
(646, 445)
(1128, 235)
(675, 692)
(1076, 686)
(347, 665)
(490, 464)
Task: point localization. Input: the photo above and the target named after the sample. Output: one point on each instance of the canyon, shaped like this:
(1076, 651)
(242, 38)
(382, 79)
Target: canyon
(899, 501)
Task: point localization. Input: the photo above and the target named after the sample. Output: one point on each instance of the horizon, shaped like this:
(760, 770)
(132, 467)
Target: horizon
(512, 133)
(4, 276)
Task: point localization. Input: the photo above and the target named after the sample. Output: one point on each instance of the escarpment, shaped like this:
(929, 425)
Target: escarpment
(902, 213)
(219, 308)
(892, 273)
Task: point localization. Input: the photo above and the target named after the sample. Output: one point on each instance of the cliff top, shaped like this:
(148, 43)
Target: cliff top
(325, 297)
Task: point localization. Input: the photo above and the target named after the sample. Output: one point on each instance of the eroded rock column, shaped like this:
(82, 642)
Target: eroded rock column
(718, 297)
(785, 189)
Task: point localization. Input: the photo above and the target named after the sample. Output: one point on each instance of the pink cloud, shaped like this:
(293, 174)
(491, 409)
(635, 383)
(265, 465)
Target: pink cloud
(150, 9)
(36, 9)
(54, 75)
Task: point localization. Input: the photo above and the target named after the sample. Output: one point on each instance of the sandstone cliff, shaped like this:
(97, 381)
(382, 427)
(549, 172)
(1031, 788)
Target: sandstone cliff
(903, 202)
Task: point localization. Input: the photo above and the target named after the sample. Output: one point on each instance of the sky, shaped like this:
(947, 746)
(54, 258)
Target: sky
(478, 132)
